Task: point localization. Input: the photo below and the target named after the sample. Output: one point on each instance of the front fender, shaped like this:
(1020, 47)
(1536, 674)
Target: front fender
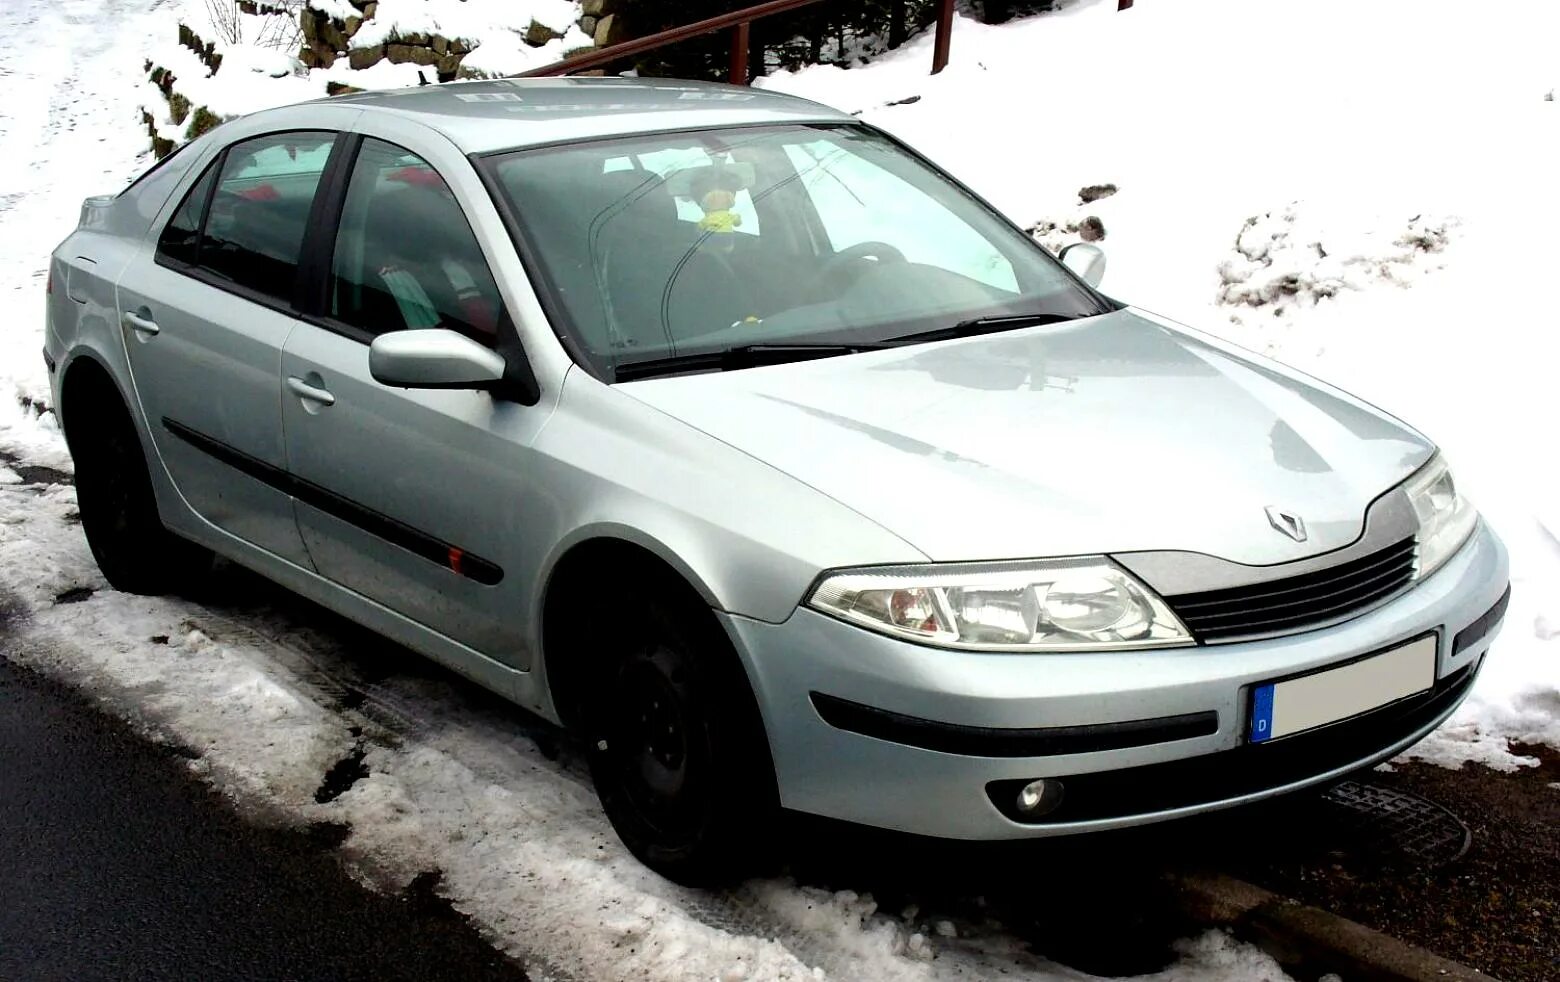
(749, 538)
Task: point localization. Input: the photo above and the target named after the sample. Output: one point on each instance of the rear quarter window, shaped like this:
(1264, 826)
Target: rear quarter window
(249, 228)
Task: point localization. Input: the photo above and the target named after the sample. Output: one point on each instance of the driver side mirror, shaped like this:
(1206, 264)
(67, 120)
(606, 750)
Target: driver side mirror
(433, 358)
(1085, 259)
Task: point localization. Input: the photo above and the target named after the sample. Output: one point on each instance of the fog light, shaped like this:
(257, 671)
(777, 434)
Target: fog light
(1039, 797)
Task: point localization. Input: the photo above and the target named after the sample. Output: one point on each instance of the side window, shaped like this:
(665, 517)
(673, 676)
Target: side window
(858, 201)
(181, 236)
(405, 255)
(253, 231)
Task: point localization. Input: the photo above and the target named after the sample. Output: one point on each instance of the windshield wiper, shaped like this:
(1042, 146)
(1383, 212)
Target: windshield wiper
(981, 325)
(742, 356)
(752, 355)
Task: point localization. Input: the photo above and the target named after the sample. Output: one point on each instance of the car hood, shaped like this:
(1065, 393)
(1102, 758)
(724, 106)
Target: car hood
(1113, 434)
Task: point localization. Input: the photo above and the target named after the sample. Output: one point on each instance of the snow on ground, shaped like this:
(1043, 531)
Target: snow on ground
(257, 73)
(1380, 177)
(69, 127)
(495, 26)
(265, 708)
(1410, 141)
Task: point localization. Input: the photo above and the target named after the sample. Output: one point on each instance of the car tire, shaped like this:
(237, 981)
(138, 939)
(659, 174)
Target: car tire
(677, 749)
(133, 549)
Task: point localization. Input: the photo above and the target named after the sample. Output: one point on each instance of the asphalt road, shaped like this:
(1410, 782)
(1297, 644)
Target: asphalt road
(117, 863)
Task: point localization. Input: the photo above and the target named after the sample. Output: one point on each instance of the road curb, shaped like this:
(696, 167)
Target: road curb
(1301, 936)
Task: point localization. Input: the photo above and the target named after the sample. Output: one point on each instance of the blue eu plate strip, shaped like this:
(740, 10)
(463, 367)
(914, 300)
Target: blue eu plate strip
(1262, 714)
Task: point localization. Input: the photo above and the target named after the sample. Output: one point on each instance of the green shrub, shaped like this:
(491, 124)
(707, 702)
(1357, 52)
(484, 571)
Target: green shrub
(178, 107)
(203, 121)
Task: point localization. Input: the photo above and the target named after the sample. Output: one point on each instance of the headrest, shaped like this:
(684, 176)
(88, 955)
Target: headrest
(417, 216)
(695, 182)
(632, 196)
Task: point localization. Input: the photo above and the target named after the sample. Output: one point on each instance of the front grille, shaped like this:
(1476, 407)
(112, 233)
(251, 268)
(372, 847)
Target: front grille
(1308, 600)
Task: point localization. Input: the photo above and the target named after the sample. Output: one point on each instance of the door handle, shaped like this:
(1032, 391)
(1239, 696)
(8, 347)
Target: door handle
(140, 320)
(310, 393)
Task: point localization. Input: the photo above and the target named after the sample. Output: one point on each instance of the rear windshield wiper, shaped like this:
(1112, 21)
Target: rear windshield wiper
(981, 325)
(743, 356)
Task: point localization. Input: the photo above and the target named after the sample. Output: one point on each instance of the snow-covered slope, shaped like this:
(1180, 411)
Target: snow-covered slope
(255, 61)
(1367, 191)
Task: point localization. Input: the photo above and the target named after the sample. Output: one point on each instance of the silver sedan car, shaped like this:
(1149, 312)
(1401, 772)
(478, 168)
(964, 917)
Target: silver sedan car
(735, 437)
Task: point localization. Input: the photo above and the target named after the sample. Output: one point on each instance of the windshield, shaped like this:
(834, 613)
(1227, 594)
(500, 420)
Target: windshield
(664, 248)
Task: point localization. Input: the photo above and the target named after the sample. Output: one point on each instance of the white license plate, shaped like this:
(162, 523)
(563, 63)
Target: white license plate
(1279, 709)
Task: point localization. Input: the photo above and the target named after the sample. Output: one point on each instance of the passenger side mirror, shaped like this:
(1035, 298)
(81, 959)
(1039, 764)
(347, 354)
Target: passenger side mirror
(433, 359)
(1085, 259)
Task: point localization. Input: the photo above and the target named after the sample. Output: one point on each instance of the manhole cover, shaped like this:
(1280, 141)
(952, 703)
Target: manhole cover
(1389, 825)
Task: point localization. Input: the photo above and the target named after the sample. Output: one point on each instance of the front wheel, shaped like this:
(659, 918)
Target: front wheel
(678, 753)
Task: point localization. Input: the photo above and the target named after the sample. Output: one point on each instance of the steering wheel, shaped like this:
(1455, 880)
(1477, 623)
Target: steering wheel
(833, 270)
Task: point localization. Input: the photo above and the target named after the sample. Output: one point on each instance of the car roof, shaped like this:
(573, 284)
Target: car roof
(502, 114)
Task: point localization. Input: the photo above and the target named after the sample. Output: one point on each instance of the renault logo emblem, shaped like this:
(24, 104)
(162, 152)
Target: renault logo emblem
(1291, 525)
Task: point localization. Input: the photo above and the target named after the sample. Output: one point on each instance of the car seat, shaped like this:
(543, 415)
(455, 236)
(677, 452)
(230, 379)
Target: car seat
(664, 283)
(420, 268)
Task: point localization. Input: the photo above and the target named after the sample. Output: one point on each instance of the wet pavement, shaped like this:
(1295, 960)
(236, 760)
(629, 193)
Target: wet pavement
(1494, 907)
(119, 863)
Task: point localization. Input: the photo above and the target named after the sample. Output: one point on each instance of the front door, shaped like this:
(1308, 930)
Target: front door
(204, 324)
(410, 498)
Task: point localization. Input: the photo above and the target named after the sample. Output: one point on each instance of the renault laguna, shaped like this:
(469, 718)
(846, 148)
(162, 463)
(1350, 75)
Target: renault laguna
(735, 437)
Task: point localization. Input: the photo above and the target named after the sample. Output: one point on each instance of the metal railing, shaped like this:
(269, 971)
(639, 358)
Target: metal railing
(737, 22)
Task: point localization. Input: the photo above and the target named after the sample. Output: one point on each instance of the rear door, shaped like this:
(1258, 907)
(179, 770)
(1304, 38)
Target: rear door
(205, 315)
(413, 498)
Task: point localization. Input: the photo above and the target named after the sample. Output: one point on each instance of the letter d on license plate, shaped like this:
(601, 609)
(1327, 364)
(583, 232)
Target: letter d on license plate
(1279, 709)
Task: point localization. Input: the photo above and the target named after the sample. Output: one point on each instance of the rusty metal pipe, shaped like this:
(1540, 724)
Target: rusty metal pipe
(739, 54)
(944, 36)
(628, 49)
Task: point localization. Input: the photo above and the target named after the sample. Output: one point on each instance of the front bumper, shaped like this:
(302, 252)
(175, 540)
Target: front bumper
(949, 791)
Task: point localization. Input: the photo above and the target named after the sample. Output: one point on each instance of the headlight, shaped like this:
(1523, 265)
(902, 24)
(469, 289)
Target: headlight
(1446, 519)
(1052, 605)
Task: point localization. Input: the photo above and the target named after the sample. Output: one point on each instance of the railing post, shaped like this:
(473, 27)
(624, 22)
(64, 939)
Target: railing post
(739, 54)
(737, 20)
(944, 35)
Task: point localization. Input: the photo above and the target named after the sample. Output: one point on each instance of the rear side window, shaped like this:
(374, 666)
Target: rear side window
(405, 255)
(249, 229)
(253, 233)
(180, 238)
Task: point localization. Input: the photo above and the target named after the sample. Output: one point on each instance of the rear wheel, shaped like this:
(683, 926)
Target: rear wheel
(118, 509)
(678, 754)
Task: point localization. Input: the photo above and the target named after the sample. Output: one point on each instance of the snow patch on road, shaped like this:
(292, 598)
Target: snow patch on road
(256, 732)
(518, 839)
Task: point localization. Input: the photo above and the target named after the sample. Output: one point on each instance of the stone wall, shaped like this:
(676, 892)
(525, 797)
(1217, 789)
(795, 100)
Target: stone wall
(603, 21)
(195, 119)
(327, 40)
